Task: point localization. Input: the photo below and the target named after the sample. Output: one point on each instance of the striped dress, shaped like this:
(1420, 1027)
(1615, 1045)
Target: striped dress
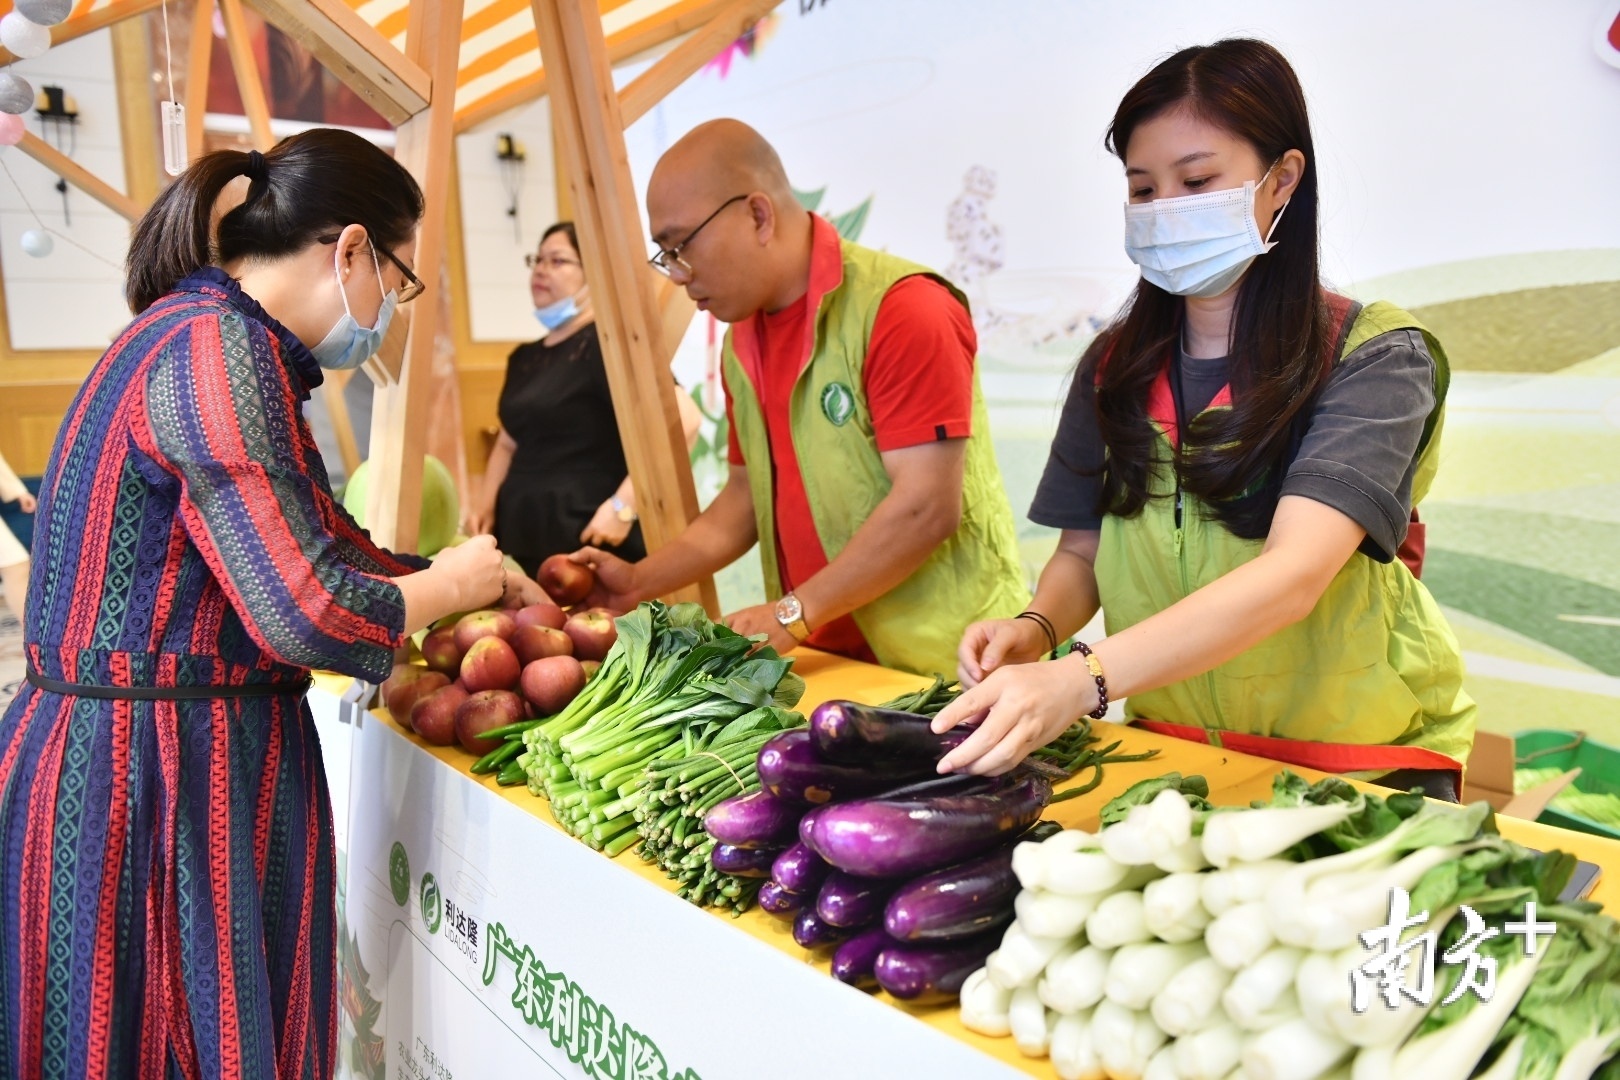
(166, 867)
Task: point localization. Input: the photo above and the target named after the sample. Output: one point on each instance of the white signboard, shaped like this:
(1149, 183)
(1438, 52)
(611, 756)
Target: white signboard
(481, 942)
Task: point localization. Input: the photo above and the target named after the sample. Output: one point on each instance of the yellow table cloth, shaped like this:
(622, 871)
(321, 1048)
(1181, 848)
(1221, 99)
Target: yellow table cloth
(1234, 779)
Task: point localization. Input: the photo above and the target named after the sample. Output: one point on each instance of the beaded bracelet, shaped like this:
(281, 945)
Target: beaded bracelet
(1046, 627)
(1094, 666)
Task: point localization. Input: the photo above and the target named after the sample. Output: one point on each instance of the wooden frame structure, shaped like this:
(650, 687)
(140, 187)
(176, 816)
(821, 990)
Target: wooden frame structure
(640, 316)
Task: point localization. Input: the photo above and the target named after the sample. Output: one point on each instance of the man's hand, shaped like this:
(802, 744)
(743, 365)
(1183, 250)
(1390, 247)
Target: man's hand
(27, 502)
(615, 580)
(761, 619)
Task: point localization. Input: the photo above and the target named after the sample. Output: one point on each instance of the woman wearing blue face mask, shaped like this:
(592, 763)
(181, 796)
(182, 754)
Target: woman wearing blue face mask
(1234, 472)
(557, 477)
(166, 863)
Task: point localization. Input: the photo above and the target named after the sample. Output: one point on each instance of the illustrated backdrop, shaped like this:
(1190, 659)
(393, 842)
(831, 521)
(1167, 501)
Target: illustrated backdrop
(1467, 150)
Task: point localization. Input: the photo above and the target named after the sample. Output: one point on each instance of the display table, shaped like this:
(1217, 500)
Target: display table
(480, 936)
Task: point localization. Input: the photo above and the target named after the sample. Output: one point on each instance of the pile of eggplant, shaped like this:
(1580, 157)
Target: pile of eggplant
(906, 874)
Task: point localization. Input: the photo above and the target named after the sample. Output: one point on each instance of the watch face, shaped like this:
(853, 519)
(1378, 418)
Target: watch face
(788, 609)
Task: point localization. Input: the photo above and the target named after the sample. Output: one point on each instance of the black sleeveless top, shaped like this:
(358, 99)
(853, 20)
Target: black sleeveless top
(556, 406)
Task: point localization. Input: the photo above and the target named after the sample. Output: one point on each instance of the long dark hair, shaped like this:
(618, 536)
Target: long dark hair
(313, 182)
(1231, 459)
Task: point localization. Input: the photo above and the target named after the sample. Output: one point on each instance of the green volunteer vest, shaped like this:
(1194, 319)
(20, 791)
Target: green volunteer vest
(975, 574)
(1374, 663)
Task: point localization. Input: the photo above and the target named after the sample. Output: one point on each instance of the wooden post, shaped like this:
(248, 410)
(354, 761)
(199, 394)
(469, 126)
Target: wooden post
(399, 412)
(337, 411)
(199, 62)
(80, 177)
(90, 22)
(353, 50)
(246, 67)
(590, 135)
(137, 116)
(668, 23)
(684, 60)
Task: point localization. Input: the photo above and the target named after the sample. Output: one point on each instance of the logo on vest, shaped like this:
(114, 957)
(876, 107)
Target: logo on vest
(837, 403)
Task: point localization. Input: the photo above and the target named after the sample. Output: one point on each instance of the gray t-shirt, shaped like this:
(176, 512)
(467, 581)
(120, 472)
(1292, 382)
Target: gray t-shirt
(1358, 455)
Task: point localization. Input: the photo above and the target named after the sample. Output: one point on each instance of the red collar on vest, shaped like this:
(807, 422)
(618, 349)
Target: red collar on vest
(826, 274)
(1161, 404)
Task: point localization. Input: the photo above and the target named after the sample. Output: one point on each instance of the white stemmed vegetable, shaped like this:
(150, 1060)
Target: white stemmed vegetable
(1452, 1051)
(1240, 935)
(1252, 835)
(984, 1005)
(1021, 958)
(1223, 890)
(1138, 973)
(1192, 998)
(1079, 873)
(1210, 1054)
(1075, 981)
(1173, 909)
(1261, 995)
(1053, 915)
(1029, 857)
(1027, 1018)
(1119, 920)
(1125, 1040)
(1162, 1065)
(1073, 1055)
(1326, 903)
(1297, 1051)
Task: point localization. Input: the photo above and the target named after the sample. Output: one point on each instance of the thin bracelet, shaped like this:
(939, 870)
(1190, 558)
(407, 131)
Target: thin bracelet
(1046, 627)
(1094, 666)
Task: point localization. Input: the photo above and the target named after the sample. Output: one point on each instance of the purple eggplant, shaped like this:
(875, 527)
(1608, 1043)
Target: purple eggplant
(743, 862)
(800, 870)
(855, 958)
(849, 901)
(791, 770)
(778, 901)
(753, 821)
(958, 901)
(849, 733)
(902, 837)
(930, 973)
(969, 898)
(812, 931)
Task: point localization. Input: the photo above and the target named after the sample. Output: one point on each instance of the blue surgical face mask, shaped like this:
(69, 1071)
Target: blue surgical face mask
(1197, 245)
(558, 312)
(348, 344)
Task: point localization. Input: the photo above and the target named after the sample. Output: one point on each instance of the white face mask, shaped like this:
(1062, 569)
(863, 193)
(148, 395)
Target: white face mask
(348, 344)
(1197, 245)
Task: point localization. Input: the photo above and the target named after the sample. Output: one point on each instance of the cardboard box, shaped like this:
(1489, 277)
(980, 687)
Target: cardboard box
(1489, 776)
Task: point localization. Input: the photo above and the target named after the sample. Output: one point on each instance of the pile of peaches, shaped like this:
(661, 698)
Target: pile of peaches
(492, 668)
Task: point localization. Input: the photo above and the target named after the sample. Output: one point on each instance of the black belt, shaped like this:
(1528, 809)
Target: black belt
(168, 693)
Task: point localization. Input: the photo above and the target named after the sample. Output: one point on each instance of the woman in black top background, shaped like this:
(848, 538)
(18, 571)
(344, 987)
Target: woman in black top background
(557, 477)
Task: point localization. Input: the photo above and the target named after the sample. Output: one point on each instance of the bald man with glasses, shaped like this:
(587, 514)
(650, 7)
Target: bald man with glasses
(860, 456)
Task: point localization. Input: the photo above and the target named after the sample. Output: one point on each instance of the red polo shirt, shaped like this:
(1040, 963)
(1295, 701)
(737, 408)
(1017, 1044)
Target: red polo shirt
(918, 382)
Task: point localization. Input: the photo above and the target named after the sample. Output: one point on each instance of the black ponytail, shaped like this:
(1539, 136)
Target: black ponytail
(317, 181)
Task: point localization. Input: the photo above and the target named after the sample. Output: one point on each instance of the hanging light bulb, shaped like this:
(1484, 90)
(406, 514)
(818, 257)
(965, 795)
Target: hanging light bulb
(38, 243)
(25, 38)
(16, 94)
(45, 12)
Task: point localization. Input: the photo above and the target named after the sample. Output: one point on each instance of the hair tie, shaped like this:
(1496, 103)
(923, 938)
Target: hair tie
(257, 168)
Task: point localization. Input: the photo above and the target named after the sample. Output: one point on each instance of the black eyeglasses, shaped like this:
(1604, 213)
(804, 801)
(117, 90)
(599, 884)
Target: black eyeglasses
(413, 285)
(670, 257)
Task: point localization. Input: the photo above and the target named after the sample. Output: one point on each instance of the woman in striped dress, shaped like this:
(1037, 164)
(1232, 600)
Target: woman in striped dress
(166, 854)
